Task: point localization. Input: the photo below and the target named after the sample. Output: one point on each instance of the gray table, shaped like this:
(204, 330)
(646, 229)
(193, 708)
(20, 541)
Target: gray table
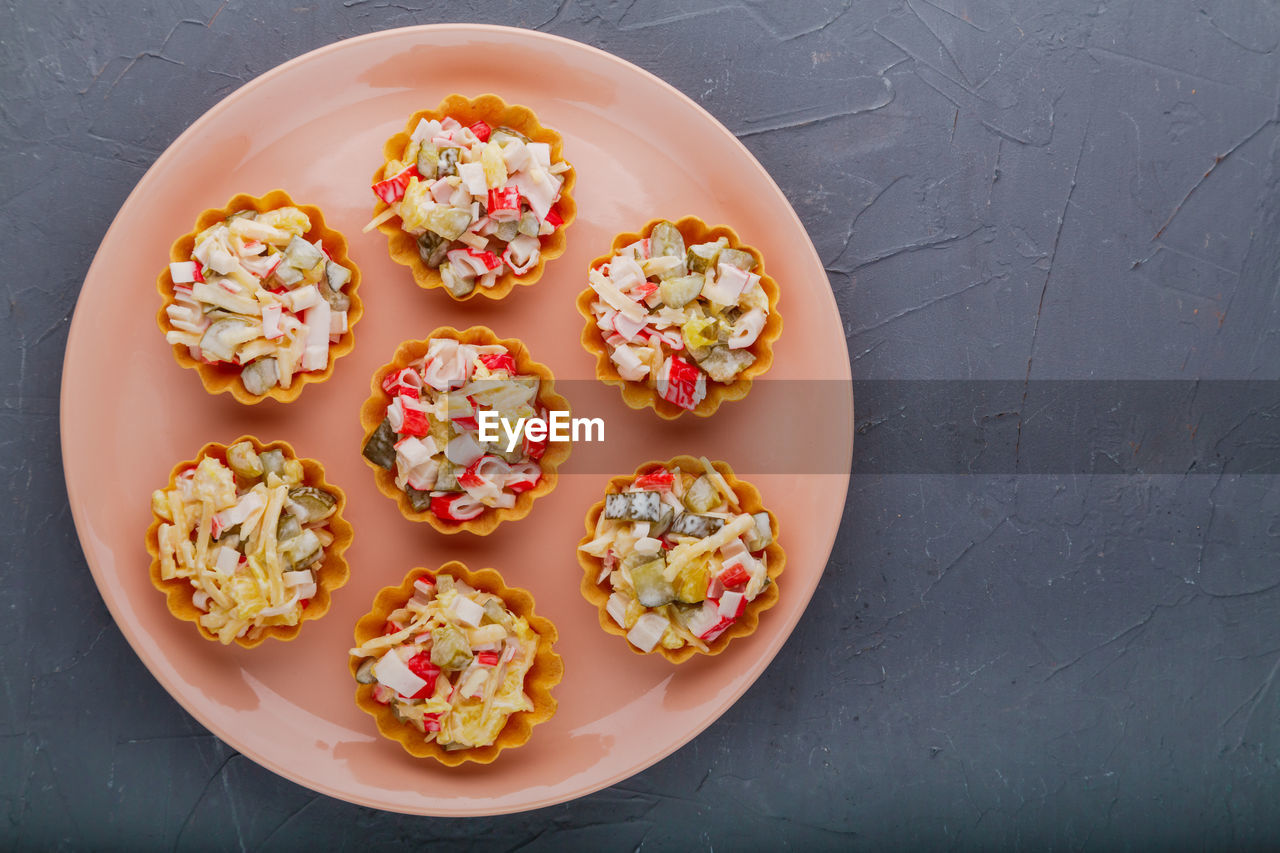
(1008, 647)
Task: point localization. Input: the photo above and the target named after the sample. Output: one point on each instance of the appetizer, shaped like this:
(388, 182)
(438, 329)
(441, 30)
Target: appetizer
(260, 295)
(455, 665)
(451, 662)
(678, 307)
(680, 555)
(446, 426)
(249, 531)
(478, 200)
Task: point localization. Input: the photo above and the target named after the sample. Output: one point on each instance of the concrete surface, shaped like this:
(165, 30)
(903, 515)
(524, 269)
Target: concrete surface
(1020, 190)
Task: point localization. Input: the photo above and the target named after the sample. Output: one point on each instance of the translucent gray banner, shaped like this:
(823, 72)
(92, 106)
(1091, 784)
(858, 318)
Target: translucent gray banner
(953, 427)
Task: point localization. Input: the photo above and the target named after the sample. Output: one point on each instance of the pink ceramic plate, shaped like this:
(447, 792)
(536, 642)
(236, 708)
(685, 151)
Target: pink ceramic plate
(315, 126)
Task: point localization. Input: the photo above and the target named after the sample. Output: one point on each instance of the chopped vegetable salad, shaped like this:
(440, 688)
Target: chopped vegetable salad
(430, 435)
(257, 295)
(673, 316)
(476, 198)
(681, 559)
(249, 535)
(451, 662)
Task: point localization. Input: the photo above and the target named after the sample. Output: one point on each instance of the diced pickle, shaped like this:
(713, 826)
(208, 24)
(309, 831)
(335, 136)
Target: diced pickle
(214, 343)
(496, 613)
(737, 258)
(380, 448)
(759, 537)
(336, 275)
(287, 528)
(432, 248)
(449, 222)
(449, 647)
(335, 278)
(699, 526)
(634, 506)
(652, 589)
(442, 431)
(529, 224)
(316, 503)
(724, 364)
(702, 495)
(272, 462)
(663, 524)
(300, 254)
(300, 560)
(698, 353)
(244, 461)
(507, 231)
(665, 240)
(680, 291)
(428, 159)
(503, 134)
(364, 674)
(287, 275)
(702, 257)
(418, 499)
(444, 583)
(447, 477)
(447, 163)
(458, 285)
(260, 375)
(635, 558)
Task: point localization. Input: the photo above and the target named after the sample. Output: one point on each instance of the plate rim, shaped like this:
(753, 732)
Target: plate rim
(76, 330)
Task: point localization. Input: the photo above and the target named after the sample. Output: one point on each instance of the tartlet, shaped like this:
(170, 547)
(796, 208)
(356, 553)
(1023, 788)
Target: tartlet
(286, 293)
(310, 536)
(710, 597)
(654, 329)
(430, 498)
(524, 177)
(417, 724)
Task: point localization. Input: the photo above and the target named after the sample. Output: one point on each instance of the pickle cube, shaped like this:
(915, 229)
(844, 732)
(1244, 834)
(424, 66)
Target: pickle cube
(634, 506)
(699, 526)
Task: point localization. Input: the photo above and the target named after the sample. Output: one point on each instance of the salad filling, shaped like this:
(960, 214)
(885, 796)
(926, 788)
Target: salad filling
(257, 295)
(451, 662)
(476, 198)
(249, 535)
(681, 559)
(430, 436)
(674, 316)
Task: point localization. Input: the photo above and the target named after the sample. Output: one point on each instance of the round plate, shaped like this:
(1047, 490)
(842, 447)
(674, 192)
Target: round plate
(315, 127)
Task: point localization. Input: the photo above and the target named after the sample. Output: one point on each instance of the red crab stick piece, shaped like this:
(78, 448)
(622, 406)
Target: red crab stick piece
(447, 507)
(735, 576)
(499, 361)
(421, 666)
(504, 204)
(659, 480)
(392, 189)
(682, 384)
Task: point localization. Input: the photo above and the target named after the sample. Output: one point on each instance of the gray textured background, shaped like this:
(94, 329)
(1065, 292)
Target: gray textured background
(1000, 189)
